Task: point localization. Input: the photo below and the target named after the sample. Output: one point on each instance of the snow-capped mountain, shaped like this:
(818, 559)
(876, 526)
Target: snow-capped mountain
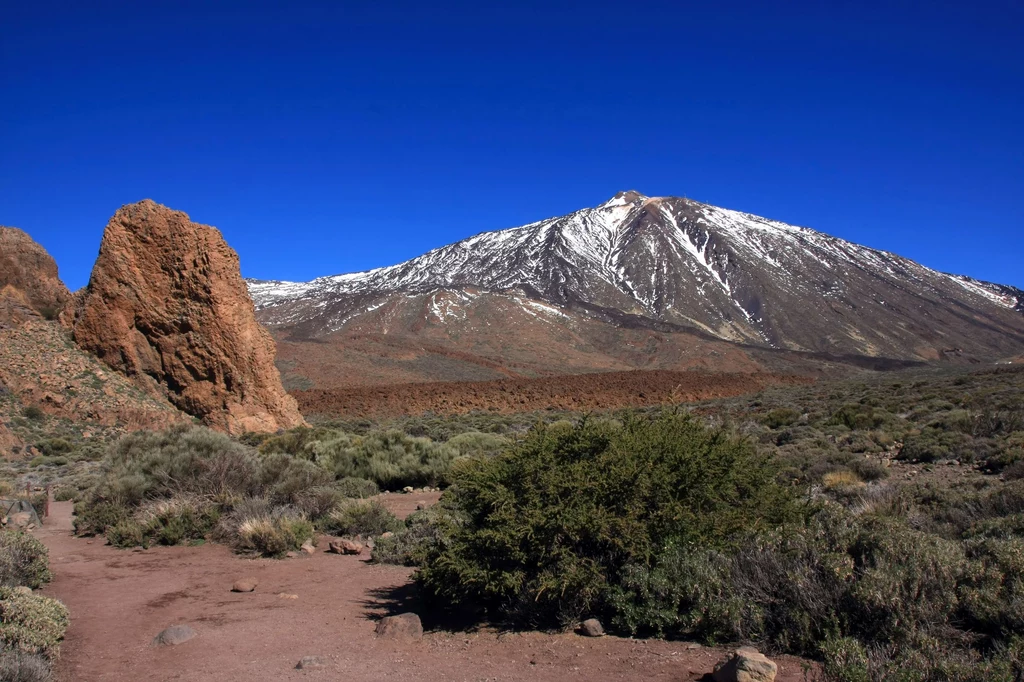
(673, 264)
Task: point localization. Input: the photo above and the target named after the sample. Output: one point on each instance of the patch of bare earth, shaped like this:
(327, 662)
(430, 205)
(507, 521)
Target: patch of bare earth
(119, 600)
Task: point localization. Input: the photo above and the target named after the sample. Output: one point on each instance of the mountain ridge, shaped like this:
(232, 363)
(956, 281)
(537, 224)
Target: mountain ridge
(670, 263)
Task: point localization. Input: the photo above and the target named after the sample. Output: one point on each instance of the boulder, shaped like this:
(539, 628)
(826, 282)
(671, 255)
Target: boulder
(592, 628)
(244, 585)
(402, 626)
(174, 635)
(344, 546)
(307, 547)
(746, 665)
(166, 305)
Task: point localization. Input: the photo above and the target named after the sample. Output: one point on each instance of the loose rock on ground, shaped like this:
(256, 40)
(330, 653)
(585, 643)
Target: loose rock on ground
(402, 626)
(174, 635)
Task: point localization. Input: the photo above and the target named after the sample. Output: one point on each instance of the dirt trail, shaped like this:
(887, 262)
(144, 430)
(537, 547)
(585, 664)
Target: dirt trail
(119, 600)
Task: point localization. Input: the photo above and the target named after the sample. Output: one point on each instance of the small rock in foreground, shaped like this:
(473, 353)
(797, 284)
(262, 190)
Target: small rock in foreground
(308, 547)
(746, 665)
(174, 635)
(310, 663)
(402, 626)
(592, 628)
(244, 585)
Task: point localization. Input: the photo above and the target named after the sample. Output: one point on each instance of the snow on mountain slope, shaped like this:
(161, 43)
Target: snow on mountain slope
(671, 262)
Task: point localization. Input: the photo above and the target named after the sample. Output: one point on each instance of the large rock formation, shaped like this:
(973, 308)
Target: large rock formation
(167, 306)
(29, 284)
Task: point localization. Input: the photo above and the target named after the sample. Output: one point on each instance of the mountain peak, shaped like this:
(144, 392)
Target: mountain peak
(622, 198)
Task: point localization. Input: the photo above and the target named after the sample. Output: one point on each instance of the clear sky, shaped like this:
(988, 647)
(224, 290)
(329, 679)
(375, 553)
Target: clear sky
(338, 136)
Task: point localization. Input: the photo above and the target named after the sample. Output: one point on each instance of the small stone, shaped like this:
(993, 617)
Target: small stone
(307, 547)
(387, 534)
(290, 555)
(402, 626)
(285, 595)
(244, 585)
(174, 635)
(421, 505)
(310, 663)
(408, 489)
(592, 628)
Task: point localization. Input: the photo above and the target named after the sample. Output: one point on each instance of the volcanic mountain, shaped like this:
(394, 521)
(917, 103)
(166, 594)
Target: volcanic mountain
(654, 282)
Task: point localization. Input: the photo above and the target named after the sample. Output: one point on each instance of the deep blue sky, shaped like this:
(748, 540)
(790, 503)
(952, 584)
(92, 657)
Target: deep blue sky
(338, 136)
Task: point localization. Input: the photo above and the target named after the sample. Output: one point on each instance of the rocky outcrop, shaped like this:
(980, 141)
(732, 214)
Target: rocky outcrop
(29, 284)
(10, 445)
(166, 305)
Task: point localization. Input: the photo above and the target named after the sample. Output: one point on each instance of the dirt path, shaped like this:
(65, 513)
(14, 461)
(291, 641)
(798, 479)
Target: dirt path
(119, 600)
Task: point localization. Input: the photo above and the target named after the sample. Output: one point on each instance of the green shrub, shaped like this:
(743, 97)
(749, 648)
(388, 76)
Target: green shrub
(476, 444)
(868, 469)
(178, 520)
(34, 413)
(361, 517)
(286, 476)
(933, 444)
(410, 545)
(31, 623)
(94, 516)
(256, 526)
(24, 560)
(357, 487)
(545, 529)
(784, 416)
(859, 417)
(64, 493)
(845, 660)
(319, 501)
(18, 667)
(126, 534)
(391, 459)
(906, 583)
(52, 447)
(183, 459)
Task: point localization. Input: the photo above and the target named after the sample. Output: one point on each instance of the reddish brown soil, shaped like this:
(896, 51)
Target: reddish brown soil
(119, 600)
(579, 392)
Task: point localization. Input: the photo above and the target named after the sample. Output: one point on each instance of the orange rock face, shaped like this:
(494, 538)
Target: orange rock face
(167, 306)
(29, 284)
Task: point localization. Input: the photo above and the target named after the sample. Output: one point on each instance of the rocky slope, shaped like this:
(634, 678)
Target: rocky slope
(166, 306)
(30, 286)
(667, 273)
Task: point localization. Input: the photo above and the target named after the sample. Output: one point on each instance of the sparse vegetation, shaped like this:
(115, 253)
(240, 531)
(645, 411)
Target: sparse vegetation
(876, 525)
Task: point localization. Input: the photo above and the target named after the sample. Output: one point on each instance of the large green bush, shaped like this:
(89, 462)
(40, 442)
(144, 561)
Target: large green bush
(541, 534)
(31, 623)
(24, 560)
